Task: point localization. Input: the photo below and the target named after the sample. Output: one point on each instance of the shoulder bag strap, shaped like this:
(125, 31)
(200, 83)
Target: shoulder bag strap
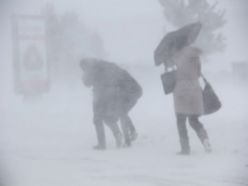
(205, 80)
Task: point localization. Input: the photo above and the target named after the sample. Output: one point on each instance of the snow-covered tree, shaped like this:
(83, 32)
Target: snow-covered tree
(181, 12)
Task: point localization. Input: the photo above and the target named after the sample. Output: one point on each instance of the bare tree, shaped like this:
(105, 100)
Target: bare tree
(181, 12)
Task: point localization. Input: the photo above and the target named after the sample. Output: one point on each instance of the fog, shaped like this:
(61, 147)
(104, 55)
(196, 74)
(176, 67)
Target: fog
(47, 134)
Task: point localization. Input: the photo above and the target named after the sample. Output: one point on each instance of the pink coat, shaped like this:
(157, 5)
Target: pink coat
(188, 92)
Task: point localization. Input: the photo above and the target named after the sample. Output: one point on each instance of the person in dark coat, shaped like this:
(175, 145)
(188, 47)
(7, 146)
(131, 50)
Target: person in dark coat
(115, 92)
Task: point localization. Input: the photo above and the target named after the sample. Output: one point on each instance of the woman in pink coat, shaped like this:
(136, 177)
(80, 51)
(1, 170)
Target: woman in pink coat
(188, 99)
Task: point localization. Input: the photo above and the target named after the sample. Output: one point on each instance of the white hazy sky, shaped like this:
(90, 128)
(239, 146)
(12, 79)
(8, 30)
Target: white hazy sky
(131, 29)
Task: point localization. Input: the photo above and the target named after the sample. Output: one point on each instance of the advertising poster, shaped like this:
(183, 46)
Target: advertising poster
(30, 55)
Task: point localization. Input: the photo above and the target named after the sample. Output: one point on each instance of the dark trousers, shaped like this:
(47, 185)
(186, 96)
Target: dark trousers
(100, 131)
(182, 130)
(128, 128)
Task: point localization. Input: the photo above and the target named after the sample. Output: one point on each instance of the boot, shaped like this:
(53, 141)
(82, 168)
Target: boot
(184, 152)
(205, 141)
(185, 147)
(125, 132)
(207, 145)
(133, 136)
(99, 147)
(100, 133)
(118, 140)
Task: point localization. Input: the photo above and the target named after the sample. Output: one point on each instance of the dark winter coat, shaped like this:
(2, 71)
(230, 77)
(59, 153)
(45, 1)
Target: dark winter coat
(115, 91)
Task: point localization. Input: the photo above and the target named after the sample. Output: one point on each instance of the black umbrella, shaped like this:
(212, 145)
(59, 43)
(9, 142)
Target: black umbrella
(174, 41)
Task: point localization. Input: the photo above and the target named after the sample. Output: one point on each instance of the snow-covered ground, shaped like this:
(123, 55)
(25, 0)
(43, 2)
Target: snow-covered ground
(48, 141)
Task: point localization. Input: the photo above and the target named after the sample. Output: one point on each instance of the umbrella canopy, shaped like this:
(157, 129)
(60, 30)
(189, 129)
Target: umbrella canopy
(175, 41)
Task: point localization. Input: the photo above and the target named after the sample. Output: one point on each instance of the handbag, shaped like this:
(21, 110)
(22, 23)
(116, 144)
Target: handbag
(211, 102)
(168, 79)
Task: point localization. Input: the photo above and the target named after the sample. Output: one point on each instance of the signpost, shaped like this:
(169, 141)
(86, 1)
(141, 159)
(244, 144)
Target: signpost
(31, 72)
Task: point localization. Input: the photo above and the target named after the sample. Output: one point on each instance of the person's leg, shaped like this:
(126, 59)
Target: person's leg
(200, 131)
(130, 124)
(100, 133)
(125, 128)
(131, 128)
(116, 132)
(183, 134)
(126, 107)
